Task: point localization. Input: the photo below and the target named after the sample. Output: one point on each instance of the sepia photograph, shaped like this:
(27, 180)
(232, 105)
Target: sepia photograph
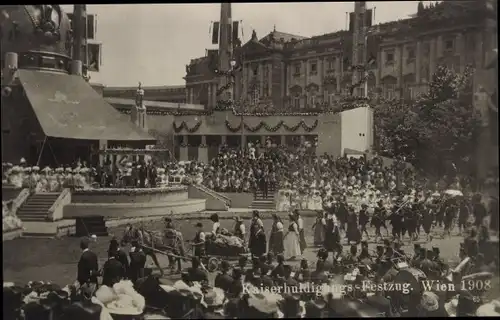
(250, 160)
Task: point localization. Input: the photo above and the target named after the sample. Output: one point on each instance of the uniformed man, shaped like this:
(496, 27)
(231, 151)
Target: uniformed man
(416, 254)
(363, 220)
(442, 266)
(365, 253)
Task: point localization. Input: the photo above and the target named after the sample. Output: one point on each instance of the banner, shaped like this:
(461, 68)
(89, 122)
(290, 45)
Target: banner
(91, 26)
(229, 34)
(215, 33)
(236, 25)
(368, 18)
(352, 16)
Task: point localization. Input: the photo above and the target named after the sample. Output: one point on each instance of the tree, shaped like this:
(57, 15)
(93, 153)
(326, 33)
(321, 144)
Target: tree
(436, 130)
(448, 124)
(420, 8)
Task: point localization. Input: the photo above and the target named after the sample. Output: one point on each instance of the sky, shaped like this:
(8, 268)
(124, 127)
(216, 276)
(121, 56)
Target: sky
(152, 43)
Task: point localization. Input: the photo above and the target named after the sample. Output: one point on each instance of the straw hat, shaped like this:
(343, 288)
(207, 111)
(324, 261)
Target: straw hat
(36, 168)
(68, 170)
(22, 161)
(429, 301)
(27, 169)
(491, 309)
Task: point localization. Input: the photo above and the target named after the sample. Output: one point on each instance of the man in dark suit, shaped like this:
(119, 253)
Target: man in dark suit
(196, 273)
(87, 265)
(137, 262)
(114, 249)
(112, 271)
(223, 280)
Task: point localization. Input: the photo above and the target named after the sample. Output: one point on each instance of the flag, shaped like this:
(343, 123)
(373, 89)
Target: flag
(236, 25)
(368, 18)
(229, 34)
(351, 21)
(215, 33)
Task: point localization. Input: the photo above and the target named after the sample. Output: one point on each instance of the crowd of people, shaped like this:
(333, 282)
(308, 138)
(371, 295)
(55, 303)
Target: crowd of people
(79, 176)
(229, 295)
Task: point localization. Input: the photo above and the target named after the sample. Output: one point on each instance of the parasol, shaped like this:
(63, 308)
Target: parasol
(454, 193)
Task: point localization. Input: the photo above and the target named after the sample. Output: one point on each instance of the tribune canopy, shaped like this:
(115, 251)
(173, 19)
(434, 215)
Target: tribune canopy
(66, 106)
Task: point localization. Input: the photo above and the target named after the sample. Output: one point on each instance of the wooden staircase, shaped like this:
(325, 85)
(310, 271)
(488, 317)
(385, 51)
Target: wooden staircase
(36, 207)
(262, 203)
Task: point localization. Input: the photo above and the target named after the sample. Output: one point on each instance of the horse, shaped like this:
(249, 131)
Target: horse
(149, 239)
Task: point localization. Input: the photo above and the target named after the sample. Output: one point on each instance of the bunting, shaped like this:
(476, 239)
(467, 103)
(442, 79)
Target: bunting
(215, 33)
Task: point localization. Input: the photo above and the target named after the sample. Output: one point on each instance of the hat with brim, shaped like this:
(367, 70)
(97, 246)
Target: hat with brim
(262, 303)
(429, 301)
(115, 309)
(491, 309)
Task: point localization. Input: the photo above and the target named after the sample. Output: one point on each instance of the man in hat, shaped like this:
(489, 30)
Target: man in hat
(396, 219)
(352, 257)
(223, 280)
(442, 266)
(137, 262)
(199, 241)
(365, 253)
(378, 219)
(87, 265)
(363, 220)
(415, 260)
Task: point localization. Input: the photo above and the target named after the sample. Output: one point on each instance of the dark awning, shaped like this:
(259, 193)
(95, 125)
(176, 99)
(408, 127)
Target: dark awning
(67, 107)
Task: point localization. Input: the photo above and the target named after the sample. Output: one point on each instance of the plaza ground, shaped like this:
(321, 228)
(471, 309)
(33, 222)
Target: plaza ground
(55, 260)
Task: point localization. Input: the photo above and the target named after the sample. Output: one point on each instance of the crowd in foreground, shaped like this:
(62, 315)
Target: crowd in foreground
(125, 286)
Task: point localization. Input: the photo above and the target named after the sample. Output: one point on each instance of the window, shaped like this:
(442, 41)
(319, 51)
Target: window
(312, 101)
(255, 70)
(389, 57)
(314, 68)
(298, 68)
(331, 64)
(296, 103)
(449, 45)
(331, 98)
(390, 92)
(410, 54)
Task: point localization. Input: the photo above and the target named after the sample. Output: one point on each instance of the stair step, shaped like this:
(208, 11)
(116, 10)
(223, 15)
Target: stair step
(34, 209)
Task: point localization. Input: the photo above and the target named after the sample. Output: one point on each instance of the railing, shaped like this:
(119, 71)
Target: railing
(62, 196)
(213, 193)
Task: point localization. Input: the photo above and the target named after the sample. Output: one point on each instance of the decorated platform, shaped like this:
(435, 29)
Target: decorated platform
(131, 202)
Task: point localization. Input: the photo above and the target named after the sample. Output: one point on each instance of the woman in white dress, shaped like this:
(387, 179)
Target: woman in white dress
(282, 201)
(291, 242)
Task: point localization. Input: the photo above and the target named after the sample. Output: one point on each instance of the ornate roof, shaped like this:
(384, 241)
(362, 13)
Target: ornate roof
(279, 37)
(41, 28)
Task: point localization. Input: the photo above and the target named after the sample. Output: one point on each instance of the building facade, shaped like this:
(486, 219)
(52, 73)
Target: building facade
(287, 72)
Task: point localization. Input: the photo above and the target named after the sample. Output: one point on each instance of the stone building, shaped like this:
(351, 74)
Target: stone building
(281, 71)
